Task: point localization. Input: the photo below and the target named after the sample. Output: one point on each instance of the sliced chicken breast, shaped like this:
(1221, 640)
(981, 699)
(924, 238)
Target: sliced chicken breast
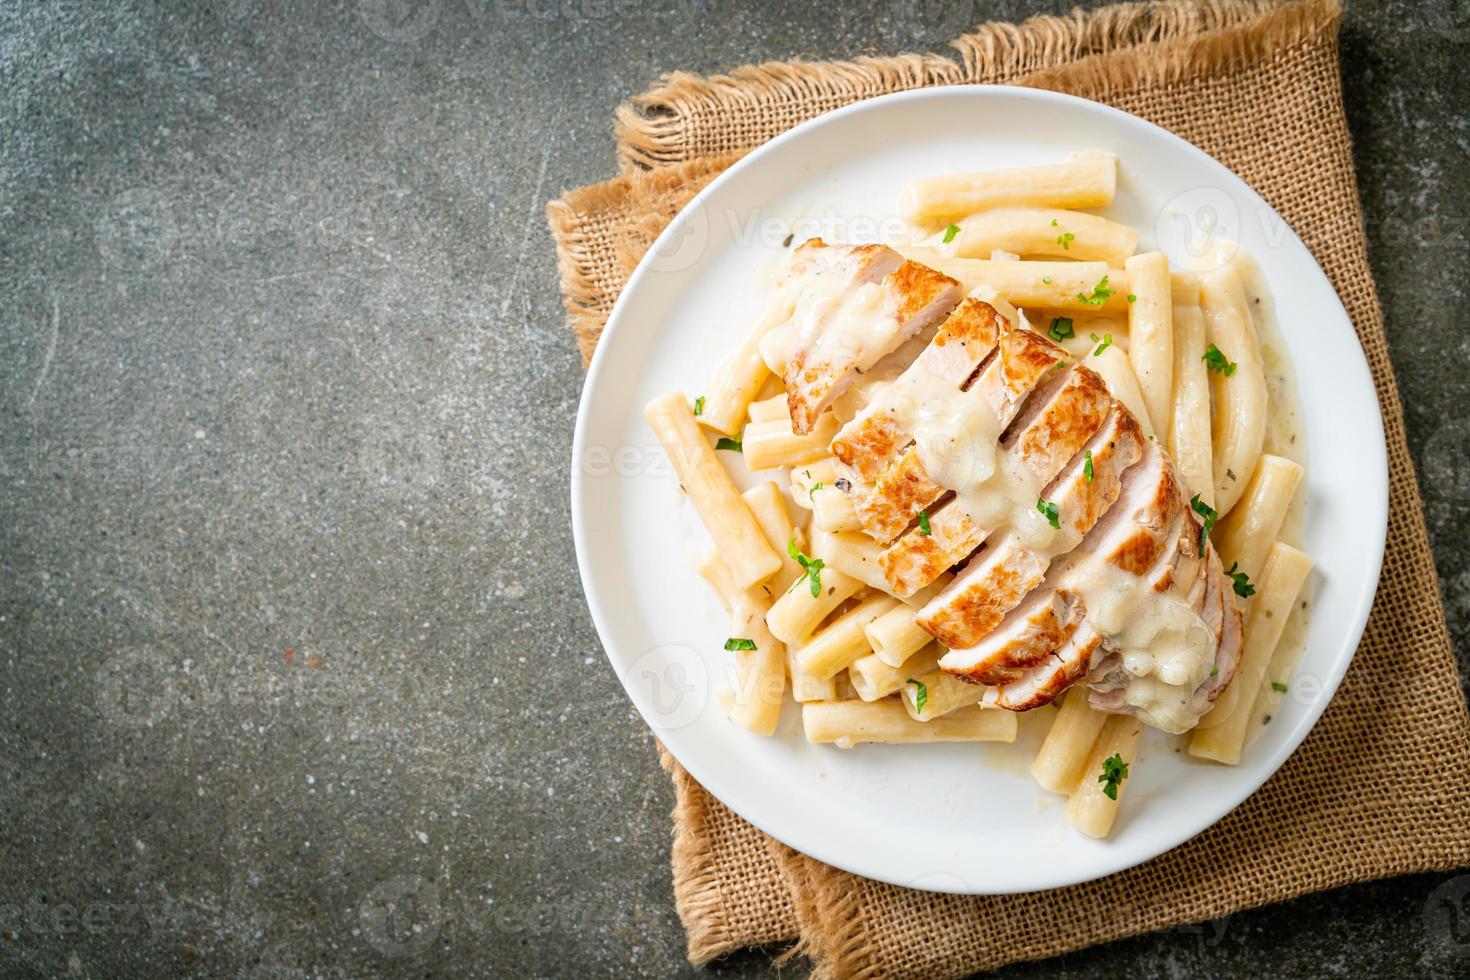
(846, 321)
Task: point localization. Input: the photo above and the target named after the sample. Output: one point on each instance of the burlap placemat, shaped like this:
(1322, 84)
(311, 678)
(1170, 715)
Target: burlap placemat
(1382, 785)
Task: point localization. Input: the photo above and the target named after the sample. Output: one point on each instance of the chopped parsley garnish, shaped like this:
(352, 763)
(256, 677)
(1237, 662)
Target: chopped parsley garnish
(812, 493)
(1132, 298)
(731, 444)
(924, 528)
(950, 232)
(1217, 363)
(921, 695)
(1100, 293)
(1278, 687)
(1103, 343)
(699, 405)
(1050, 512)
(1214, 670)
(1046, 279)
(1240, 581)
(1087, 464)
(1210, 516)
(1065, 240)
(1114, 771)
(811, 567)
(1061, 328)
(739, 643)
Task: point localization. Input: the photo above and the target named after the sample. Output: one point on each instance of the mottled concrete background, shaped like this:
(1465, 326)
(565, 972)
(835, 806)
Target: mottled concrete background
(290, 626)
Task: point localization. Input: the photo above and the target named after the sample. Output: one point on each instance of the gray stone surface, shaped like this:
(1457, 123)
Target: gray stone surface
(289, 620)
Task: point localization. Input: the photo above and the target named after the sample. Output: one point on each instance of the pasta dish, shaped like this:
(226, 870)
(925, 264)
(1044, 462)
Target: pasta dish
(1015, 465)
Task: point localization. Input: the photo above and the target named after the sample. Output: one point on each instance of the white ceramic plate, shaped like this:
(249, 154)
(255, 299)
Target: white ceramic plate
(964, 817)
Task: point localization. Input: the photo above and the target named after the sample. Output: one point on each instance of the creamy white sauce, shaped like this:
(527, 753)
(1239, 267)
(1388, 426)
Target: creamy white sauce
(1285, 436)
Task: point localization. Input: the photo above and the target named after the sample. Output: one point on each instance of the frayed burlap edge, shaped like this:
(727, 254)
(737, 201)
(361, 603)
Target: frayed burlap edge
(697, 895)
(652, 129)
(587, 303)
(658, 127)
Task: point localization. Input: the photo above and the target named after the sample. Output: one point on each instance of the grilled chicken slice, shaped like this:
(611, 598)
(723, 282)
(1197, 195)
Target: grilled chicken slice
(855, 306)
(1116, 690)
(1010, 571)
(872, 440)
(1057, 426)
(1134, 535)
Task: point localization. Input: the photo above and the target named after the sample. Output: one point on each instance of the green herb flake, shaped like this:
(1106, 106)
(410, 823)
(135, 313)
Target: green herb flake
(1050, 511)
(1053, 222)
(1217, 363)
(950, 232)
(1214, 670)
(1046, 279)
(739, 643)
(1210, 516)
(1065, 240)
(1132, 298)
(812, 493)
(924, 528)
(731, 444)
(1087, 464)
(1061, 328)
(1240, 581)
(921, 695)
(1100, 293)
(811, 567)
(1114, 771)
(1278, 687)
(1103, 343)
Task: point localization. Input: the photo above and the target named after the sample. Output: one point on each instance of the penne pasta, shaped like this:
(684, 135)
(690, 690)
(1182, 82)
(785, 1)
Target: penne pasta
(798, 612)
(1090, 809)
(1239, 425)
(1058, 765)
(769, 409)
(1046, 232)
(872, 679)
(730, 524)
(846, 723)
(808, 687)
(770, 444)
(1151, 334)
(740, 377)
(1188, 437)
(1221, 733)
(1088, 180)
(807, 477)
(760, 685)
(1245, 537)
(1112, 364)
(769, 507)
(837, 645)
(895, 637)
(833, 510)
(1087, 286)
(942, 694)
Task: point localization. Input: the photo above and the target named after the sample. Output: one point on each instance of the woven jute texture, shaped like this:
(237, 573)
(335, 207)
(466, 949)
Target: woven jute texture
(1380, 787)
